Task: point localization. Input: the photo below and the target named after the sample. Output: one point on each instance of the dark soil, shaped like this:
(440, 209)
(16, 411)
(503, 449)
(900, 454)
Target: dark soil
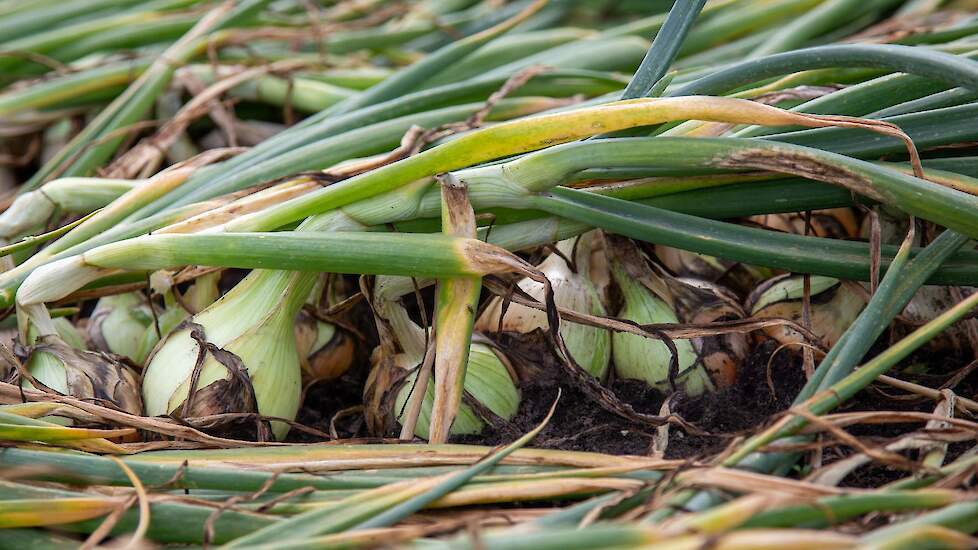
(940, 369)
(323, 400)
(328, 399)
(581, 424)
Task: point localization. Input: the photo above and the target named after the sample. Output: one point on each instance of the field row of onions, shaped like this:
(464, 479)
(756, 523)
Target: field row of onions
(502, 274)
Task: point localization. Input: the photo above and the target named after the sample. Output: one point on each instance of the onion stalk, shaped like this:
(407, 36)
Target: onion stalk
(31, 211)
(483, 145)
(928, 301)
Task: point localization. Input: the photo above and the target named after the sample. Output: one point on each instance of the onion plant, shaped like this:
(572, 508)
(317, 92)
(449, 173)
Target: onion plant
(235, 230)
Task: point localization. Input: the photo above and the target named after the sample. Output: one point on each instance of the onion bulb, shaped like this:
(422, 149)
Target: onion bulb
(649, 360)
(650, 296)
(395, 363)
(251, 363)
(325, 350)
(118, 322)
(834, 306)
(589, 346)
(738, 276)
(60, 362)
(488, 381)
